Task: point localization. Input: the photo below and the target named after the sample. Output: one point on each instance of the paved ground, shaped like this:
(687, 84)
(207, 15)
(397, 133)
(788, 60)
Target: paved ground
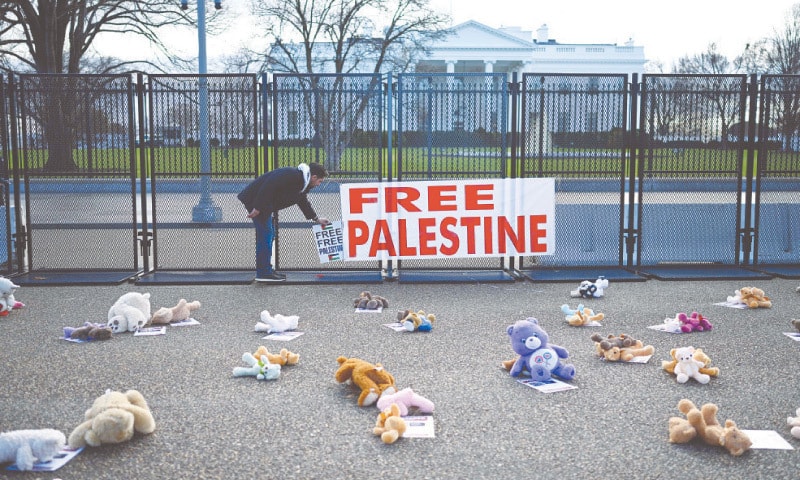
(304, 425)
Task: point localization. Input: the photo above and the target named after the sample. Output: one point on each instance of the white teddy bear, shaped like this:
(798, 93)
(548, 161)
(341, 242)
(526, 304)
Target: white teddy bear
(276, 323)
(794, 422)
(26, 447)
(687, 367)
(130, 312)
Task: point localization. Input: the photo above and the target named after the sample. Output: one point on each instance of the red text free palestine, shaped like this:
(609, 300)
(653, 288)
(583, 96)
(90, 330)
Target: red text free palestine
(440, 235)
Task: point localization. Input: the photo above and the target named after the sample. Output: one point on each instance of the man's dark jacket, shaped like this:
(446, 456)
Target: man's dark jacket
(276, 190)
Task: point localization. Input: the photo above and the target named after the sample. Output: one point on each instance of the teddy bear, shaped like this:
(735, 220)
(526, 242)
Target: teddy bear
(621, 348)
(581, 315)
(367, 301)
(673, 325)
(7, 289)
(752, 297)
(260, 368)
(113, 418)
(180, 312)
(89, 331)
(589, 289)
(373, 380)
(406, 399)
(686, 366)
(703, 423)
(129, 313)
(699, 355)
(796, 323)
(536, 355)
(389, 424)
(276, 323)
(794, 423)
(285, 357)
(26, 447)
(696, 322)
(416, 321)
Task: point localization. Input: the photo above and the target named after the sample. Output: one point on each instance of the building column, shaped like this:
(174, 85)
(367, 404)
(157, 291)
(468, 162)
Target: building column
(451, 65)
(488, 66)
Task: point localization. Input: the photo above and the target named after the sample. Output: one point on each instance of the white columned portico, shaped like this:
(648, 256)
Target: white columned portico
(488, 66)
(451, 65)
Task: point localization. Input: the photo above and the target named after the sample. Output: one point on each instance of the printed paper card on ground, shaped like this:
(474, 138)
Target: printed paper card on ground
(150, 331)
(768, 440)
(369, 310)
(329, 240)
(547, 386)
(793, 335)
(65, 455)
(185, 323)
(740, 306)
(283, 336)
(419, 426)
(396, 326)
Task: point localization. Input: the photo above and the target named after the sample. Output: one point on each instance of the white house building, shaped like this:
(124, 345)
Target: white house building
(473, 47)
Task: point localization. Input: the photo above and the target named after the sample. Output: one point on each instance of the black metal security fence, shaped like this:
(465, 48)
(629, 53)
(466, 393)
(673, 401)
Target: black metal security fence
(136, 176)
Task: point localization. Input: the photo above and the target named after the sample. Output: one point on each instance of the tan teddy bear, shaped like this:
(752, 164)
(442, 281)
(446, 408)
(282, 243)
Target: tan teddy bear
(699, 354)
(703, 423)
(373, 380)
(113, 418)
(389, 424)
(285, 357)
(182, 311)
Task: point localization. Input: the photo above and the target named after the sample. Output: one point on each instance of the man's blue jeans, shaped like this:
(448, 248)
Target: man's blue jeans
(265, 236)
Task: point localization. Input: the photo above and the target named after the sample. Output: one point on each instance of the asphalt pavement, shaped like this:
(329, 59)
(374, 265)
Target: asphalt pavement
(304, 425)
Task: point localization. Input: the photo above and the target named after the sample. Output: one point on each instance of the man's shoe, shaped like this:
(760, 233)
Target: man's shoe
(271, 277)
(279, 274)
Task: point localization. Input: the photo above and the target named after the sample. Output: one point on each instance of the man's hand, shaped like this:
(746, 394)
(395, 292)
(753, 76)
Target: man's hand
(323, 221)
(253, 214)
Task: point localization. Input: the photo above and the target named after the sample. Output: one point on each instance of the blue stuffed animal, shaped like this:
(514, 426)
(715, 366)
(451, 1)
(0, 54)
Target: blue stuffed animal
(536, 356)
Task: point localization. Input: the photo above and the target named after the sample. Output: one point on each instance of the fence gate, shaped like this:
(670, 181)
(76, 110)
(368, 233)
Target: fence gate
(691, 176)
(574, 129)
(453, 126)
(337, 121)
(8, 224)
(77, 179)
(777, 245)
(203, 148)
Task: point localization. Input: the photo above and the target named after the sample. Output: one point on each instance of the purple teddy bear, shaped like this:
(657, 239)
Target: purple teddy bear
(540, 358)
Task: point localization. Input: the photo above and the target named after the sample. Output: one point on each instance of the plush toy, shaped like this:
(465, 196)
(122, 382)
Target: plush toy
(89, 331)
(7, 289)
(113, 418)
(581, 316)
(180, 312)
(796, 323)
(373, 380)
(285, 357)
(416, 321)
(257, 367)
(368, 301)
(129, 313)
(276, 323)
(794, 423)
(389, 424)
(540, 358)
(703, 423)
(589, 289)
(26, 447)
(405, 399)
(621, 348)
(694, 323)
(673, 325)
(752, 297)
(699, 355)
(686, 366)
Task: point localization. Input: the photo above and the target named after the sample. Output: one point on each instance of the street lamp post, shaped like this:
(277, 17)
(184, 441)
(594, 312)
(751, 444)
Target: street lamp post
(205, 210)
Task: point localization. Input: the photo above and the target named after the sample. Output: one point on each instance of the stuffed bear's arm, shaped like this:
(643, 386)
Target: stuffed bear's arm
(517, 368)
(25, 458)
(143, 421)
(560, 351)
(79, 437)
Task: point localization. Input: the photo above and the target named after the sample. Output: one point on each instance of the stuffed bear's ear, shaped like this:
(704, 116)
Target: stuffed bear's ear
(533, 320)
(510, 329)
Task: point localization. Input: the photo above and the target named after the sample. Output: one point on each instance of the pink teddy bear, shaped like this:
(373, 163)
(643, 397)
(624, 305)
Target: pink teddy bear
(694, 323)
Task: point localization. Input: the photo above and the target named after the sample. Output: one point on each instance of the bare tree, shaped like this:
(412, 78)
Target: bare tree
(311, 37)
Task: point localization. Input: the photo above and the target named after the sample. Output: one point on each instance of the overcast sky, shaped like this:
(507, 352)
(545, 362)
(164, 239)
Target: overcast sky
(666, 30)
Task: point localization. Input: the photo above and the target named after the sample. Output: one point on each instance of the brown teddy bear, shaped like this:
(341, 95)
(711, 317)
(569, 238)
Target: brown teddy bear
(796, 323)
(113, 418)
(416, 321)
(373, 380)
(699, 354)
(703, 423)
(621, 348)
(182, 311)
(752, 297)
(389, 424)
(368, 301)
(285, 357)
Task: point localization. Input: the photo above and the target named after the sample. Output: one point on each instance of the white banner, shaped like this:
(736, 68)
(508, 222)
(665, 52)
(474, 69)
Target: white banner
(452, 218)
